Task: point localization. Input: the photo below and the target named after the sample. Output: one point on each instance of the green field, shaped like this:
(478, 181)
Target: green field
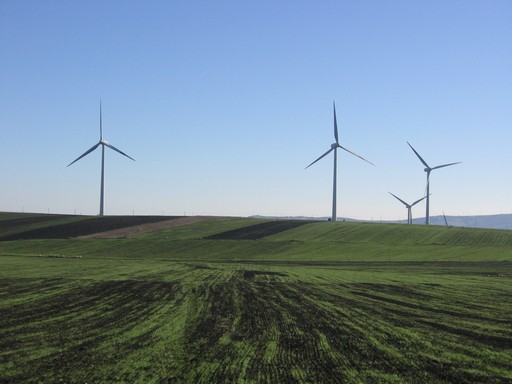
(237, 300)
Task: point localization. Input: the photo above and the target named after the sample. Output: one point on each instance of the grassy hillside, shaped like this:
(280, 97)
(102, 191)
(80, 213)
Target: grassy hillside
(318, 303)
(397, 234)
(218, 239)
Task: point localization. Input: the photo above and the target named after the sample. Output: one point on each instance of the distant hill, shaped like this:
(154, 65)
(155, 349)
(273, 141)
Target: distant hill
(503, 221)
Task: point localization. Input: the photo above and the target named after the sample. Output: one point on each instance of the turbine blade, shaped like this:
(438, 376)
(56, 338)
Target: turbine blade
(446, 165)
(321, 157)
(419, 157)
(417, 201)
(335, 124)
(399, 199)
(355, 154)
(86, 153)
(117, 150)
(101, 126)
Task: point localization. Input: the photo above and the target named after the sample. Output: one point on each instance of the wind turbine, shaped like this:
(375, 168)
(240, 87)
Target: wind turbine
(334, 148)
(103, 144)
(428, 169)
(445, 221)
(408, 206)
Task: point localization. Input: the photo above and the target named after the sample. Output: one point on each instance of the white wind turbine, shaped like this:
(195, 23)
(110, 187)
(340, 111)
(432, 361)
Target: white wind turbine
(334, 148)
(103, 144)
(428, 169)
(408, 206)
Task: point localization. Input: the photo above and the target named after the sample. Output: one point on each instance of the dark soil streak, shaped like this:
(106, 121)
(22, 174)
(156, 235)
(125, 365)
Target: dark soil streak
(84, 227)
(259, 231)
(494, 341)
(31, 220)
(78, 321)
(422, 307)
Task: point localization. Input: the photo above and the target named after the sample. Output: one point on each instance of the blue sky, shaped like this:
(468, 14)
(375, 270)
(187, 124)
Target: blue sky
(223, 104)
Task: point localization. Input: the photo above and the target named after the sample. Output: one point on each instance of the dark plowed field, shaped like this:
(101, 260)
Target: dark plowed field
(259, 231)
(83, 227)
(247, 326)
(8, 222)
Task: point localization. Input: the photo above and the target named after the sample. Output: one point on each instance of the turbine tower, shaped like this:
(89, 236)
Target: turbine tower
(334, 148)
(408, 206)
(103, 144)
(428, 169)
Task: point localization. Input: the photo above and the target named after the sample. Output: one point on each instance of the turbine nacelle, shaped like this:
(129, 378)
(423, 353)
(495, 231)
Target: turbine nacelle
(335, 145)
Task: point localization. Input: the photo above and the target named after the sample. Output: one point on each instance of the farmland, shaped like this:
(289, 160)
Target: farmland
(252, 301)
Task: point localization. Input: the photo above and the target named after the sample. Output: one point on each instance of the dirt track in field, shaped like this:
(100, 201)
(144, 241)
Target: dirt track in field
(146, 228)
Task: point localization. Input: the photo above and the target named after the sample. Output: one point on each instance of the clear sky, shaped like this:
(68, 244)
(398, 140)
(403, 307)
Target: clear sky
(224, 103)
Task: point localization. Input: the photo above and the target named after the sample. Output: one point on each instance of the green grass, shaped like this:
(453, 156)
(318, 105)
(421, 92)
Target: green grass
(397, 234)
(321, 303)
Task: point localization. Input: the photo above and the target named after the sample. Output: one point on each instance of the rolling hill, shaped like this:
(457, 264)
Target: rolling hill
(220, 299)
(502, 221)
